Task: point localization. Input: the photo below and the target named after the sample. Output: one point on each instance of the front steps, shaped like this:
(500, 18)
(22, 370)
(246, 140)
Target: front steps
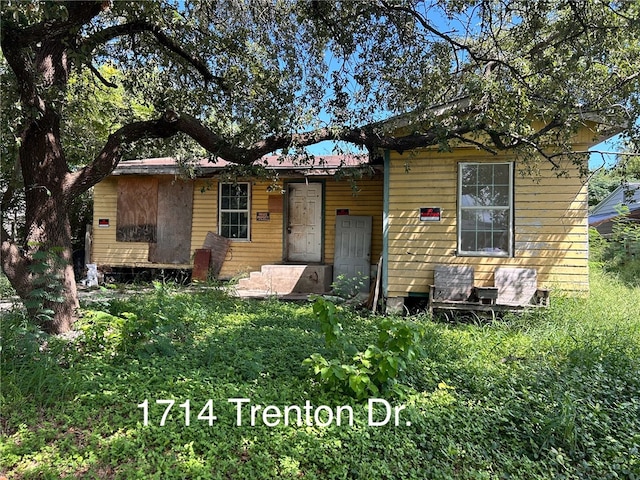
(282, 280)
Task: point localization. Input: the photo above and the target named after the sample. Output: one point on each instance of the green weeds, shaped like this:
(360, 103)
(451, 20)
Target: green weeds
(619, 255)
(6, 290)
(369, 372)
(549, 394)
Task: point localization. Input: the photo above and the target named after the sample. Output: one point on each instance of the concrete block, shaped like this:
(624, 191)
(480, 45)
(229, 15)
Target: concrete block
(395, 306)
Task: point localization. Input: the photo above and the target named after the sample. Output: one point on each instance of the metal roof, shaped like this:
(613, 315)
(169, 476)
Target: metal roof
(308, 165)
(628, 195)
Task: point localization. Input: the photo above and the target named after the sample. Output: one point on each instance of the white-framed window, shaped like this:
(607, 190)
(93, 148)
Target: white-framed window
(485, 209)
(233, 210)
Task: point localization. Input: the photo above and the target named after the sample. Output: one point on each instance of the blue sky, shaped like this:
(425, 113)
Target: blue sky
(597, 160)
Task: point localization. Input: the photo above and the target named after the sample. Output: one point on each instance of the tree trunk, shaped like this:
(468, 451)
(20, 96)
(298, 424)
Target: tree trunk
(41, 269)
(53, 299)
(49, 292)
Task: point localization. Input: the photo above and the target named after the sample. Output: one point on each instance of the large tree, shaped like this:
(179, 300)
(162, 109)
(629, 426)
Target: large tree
(245, 78)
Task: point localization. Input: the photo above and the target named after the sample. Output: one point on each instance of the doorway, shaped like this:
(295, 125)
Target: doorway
(352, 257)
(304, 222)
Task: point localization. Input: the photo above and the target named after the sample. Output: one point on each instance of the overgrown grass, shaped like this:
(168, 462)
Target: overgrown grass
(553, 394)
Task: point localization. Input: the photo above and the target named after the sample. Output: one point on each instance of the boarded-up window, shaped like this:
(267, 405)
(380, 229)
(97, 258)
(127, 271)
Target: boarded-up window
(137, 210)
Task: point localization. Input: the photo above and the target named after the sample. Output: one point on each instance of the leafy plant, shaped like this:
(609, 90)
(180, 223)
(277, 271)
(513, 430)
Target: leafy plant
(625, 238)
(151, 329)
(369, 372)
(6, 290)
(348, 287)
(104, 332)
(619, 253)
(46, 270)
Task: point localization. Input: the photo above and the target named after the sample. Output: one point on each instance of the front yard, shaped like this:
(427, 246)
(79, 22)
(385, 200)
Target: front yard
(553, 394)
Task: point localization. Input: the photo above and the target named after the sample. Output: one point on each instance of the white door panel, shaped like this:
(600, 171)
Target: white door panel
(304, 229)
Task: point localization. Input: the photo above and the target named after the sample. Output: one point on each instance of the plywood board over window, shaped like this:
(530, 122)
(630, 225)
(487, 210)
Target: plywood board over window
(137, 209)
(175, 208)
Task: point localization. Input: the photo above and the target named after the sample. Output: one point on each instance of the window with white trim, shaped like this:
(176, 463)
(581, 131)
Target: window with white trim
(485, 209)
(233, 208)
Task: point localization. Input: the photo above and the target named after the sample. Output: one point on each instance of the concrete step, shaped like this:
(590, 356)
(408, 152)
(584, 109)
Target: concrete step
(255, 281)
(285, 279)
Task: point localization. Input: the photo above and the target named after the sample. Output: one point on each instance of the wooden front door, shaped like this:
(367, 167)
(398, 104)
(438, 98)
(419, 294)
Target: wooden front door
(304, 225)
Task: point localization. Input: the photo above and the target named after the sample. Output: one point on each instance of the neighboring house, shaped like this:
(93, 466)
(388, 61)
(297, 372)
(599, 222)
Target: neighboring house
(420, 209)
(603, 215)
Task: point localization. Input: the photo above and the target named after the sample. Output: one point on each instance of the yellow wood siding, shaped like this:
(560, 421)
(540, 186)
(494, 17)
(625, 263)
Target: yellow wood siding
(205, 211)
(550, 224)
(266, 242)
(265, 246)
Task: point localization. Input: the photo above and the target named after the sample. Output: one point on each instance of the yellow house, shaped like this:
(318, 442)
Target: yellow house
(416, 211)
(471, 208)
(147, 216)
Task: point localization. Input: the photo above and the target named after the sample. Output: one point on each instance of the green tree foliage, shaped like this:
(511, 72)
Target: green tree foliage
(601, 184)
(247, 78)
(93, 110)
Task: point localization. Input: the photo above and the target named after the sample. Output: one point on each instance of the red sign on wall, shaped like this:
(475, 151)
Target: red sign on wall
(430, 214)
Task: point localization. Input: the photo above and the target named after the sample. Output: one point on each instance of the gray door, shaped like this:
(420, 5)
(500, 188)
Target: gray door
(352, 256)
(304, 229)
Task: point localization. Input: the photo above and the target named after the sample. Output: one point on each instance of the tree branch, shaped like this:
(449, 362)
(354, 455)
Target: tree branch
(15, 267)
(142, 26)
(14, 264)
(622, 82)
(77, 182)
(479, 145)
(426, 25)
(488, 63)
(172, 123)
(530, 141)
(79, 14)
(100, 77)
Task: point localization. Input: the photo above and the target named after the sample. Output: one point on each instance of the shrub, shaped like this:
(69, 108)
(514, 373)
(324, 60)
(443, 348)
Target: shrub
(369, 372)
(348, 287)
(6, 290)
